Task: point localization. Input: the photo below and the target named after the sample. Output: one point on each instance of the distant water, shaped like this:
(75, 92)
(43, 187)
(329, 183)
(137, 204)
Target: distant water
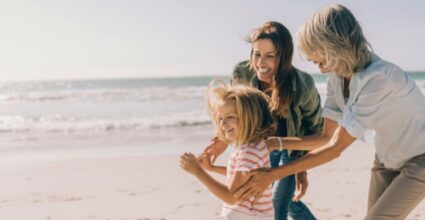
(51, 110)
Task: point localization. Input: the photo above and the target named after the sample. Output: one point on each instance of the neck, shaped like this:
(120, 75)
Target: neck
(266, 85)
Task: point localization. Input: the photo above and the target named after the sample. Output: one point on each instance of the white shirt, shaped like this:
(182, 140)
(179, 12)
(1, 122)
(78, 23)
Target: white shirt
(385, 99)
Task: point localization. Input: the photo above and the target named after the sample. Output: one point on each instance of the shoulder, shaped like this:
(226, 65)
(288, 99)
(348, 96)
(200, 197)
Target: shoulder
(383, 74)
(304, 84)
(257, 150)
(303, 80)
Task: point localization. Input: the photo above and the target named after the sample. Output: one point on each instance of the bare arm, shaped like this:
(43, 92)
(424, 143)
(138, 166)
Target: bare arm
(305, 143)
(215, 149)
(219, 169)
(331, 150)
(260, 179)
(225, 193)
(204, 161)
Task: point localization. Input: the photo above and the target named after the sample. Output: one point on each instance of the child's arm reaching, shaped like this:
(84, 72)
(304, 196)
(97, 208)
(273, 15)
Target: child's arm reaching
(189, 162)
(205, 162)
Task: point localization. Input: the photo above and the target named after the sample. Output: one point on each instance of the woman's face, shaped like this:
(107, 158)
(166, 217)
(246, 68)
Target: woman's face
(264, 59)
(321, 62)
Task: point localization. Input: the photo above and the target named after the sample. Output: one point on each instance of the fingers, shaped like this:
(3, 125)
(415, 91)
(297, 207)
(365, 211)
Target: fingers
(257, 197)
(301, 190)
(186, 158)
(299, 195)
(244, 193)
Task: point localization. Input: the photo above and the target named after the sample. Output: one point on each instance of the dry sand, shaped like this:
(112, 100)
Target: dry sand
(136, 188)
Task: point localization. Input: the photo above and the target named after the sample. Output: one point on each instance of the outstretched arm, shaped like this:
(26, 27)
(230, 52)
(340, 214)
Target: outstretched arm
(260, 179)
(204, 161)
(215, 149)
(304, 143)
(189, 162)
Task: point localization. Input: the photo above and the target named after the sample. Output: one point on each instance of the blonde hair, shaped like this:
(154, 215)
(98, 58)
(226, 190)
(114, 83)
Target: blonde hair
(255, 119)
(334, 34)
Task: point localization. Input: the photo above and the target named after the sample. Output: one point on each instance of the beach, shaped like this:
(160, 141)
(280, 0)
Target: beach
(109, 149)
(129, 186)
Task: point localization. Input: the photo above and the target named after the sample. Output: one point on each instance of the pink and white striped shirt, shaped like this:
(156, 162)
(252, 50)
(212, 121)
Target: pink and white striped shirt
(246, 158)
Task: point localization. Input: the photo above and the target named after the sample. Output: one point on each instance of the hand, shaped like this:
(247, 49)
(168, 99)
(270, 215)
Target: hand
(302, 185)
(272, 143)
(259, 180)
(189, 163)
(204, 161)
(215, 149)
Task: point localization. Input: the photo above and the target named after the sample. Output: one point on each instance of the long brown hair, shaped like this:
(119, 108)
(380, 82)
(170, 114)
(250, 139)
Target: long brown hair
(281, 90)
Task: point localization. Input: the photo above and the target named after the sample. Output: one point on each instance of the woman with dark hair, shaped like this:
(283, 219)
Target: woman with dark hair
(363, 92)
(295, 103)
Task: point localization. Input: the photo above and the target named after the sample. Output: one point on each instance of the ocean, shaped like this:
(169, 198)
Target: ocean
(48, 116)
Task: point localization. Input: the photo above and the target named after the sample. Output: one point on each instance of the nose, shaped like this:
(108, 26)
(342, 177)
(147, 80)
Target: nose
(223, 123)
(260, 61)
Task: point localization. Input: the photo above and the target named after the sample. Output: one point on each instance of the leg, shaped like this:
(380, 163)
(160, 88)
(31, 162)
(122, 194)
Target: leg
(403, 194)
(297, 210)
(283, 189)
(380, 179)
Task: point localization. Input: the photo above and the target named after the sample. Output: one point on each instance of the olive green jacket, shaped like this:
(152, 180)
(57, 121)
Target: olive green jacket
(305, 116)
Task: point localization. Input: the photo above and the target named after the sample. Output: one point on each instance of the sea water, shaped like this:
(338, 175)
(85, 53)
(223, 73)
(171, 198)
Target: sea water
(148, 116)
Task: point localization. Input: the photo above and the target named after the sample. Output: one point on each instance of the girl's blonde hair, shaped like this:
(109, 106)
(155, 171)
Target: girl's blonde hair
(334, 34)
(255, 119)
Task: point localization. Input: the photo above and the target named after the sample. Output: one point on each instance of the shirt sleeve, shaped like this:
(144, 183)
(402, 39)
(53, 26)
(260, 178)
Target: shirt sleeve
(331, 109)
(248, 159)
(311, 111)
(367, 106)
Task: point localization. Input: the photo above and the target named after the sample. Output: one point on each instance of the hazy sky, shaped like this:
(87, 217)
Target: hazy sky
(112, 39)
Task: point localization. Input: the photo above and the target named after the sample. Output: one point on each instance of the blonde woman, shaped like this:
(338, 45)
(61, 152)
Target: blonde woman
(243, 120)
(363, 92)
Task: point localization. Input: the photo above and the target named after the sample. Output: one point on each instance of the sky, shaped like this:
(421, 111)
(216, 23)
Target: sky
(86, 39)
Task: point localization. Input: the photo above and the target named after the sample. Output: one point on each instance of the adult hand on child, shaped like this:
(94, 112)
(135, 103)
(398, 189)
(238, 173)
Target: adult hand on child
(259, 180)
(302, 185)
(189, 162)
(215, 149)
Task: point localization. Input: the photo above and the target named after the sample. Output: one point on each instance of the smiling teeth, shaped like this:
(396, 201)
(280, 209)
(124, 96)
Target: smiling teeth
(263, 70)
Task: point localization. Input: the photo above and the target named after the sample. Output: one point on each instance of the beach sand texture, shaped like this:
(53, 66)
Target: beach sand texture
(155, 187)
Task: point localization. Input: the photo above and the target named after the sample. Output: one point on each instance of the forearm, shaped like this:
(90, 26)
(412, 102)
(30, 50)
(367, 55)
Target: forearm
(331, 150)
(310, 160)
(307, 143)
(219, 169)
(218, 189)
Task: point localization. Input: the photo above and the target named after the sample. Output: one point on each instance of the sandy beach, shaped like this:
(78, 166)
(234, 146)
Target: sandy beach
(154, 187)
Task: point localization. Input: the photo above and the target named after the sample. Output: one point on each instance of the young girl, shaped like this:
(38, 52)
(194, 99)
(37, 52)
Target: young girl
(242, 120)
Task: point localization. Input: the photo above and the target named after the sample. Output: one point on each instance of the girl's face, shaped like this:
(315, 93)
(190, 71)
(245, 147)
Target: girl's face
(228, 120)
(264, 59)
(321, 62)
